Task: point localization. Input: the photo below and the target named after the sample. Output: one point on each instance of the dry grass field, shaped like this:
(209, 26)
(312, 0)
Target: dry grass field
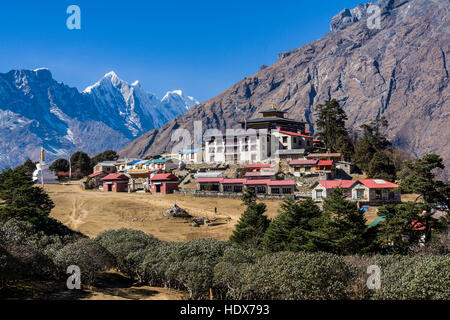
(92, 212)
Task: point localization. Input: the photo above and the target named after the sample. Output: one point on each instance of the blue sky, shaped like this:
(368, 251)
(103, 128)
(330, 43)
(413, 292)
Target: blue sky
(201, 47)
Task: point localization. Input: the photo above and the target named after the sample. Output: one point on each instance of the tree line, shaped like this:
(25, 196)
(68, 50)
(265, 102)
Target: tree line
(367, 147)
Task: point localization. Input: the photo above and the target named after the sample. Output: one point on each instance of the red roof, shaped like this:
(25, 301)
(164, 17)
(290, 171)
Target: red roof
(332, 184)
(257, 182)
(378, 184)
(308, 132)
(115, 176)
(96, 174)
(258, 166)
(316, 140)
(323, 155)
(325, 163)
(234, 181)
(294, 134)
(164, 177)
(302, 162)
(282, 183)
(218, 180)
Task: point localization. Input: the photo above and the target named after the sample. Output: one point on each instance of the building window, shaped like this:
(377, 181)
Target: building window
(211, 159)
(284, 139)
(237, 188)
(295, 140)
(261, 189)
(227, 188)
(319, 194)
(211, 150)
(275, 190)
(287, 190)
(378, 194)
(253, 148)
(359, 194)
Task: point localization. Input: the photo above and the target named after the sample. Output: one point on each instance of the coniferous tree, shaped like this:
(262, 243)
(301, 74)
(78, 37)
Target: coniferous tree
(251, 227)
(331, 126)
(81, 162)
(108, 155)
(60, 165)
(419, 177)
(381, 167)
(20, 199)
(292, 228)
(344, 227)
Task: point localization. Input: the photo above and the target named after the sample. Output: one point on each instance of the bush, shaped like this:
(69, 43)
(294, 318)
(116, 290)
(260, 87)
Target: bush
(187, 266)
(230, 270)
(418, 277)
(88, 255)
(290, 276)
(123, 245)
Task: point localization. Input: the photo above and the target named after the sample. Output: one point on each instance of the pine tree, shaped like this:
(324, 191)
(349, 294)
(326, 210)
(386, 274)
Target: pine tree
(292, 228)
(60, 165)
(331, 125)
(419, 177)
(81, 162)
(381, 167)
(343, 226)
(251, 227)
(108, 155)
(22, 200)
(364, 152)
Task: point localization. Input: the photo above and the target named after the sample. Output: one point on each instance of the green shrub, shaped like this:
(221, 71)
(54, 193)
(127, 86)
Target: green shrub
(288, 276)
(88, 255)
(125, 242)
(230, 271)
(187, 266)
(417, 277)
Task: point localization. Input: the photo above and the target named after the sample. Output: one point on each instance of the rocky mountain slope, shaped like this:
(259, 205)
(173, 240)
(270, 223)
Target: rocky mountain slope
(399, 70)
(37, 110)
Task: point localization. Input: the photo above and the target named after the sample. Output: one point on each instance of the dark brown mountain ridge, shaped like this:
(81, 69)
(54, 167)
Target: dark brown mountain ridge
(399, 70)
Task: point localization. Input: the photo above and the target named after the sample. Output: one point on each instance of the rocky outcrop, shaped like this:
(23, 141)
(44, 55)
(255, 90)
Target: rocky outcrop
(177, 212)
(399, 71)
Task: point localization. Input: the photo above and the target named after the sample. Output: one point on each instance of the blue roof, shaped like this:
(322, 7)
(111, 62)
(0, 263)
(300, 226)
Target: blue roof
(133, 162)
(158, 161)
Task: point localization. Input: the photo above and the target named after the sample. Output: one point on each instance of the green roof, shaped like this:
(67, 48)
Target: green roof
(377, 221)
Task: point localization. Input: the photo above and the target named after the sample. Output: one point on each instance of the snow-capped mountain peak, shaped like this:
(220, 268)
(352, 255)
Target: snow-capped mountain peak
(177, 97)
(37, 110)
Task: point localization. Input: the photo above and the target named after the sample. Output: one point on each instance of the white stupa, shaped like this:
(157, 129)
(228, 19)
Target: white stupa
(42, 174)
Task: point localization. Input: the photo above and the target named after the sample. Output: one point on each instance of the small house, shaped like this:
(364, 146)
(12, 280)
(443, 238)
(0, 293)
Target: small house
(325, 166)
(106, 167)
(115, 182)
(209, 184)
(163, 183)
(323, 189)
(298, 167)
(97, 178)
(325, 156)
(376, 192)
